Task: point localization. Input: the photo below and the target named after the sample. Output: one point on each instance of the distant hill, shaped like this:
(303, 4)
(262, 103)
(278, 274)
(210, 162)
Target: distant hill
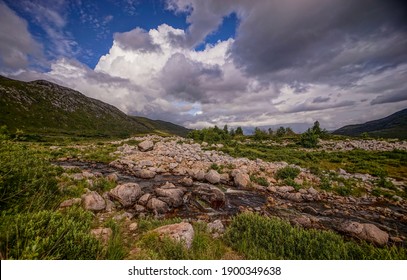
(393, 126)
(43, 107)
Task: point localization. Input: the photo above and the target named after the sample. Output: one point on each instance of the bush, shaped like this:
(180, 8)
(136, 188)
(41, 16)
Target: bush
(49, 235)
(287, 172)
(309, 139)
(259, 237)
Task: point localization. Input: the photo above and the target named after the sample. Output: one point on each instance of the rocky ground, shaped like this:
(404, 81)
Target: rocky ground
(169, 177)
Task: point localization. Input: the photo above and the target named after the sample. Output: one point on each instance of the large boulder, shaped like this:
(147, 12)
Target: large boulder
(242, 180)
(93, 201)
(158, 206)
(368, 232)
(182, 232)
(170, 195)
(210, 194)
(126, 194)
(146, 145)
(212, 177)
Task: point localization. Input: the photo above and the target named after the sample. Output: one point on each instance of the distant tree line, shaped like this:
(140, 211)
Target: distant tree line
(308, 139)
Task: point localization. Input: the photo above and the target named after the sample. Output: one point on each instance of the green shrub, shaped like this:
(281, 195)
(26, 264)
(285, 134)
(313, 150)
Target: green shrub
(258, 237)
(259, 180)
(309, 139)
(287, 172)
(49, 235)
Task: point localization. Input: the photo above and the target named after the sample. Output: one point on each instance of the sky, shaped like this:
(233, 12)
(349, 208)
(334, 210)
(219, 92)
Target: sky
(202, 63)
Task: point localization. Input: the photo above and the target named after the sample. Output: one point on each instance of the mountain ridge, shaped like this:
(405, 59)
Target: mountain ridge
(44, 107)
(392, 126)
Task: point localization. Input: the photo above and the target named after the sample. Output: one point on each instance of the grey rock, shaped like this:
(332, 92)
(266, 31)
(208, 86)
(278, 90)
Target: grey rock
(212, 177)
(93, 201)
(182, 232)
(126, 194)
(368, 232)
(145, 174)
(146, 145)
(158, 206)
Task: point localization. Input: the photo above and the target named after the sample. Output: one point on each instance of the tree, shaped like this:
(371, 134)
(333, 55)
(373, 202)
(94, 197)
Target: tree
(225, 129)
(259, 134)
(316, 128)
(239, 131)
(280, 131)
(270, 131)
(309, 139)
(232, 132)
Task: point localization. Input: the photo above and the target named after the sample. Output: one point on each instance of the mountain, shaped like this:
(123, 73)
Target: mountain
(43, 107)
(393, 126)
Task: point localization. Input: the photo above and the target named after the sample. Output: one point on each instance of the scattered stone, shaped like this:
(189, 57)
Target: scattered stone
(187, 182)
(146, 145)
(70, 202)
(182, 232)
(285, 189)
(145, 163)
(126, 194)
(302, 221)
(93, 201)
(367, 232)
(211, 194)
(199, 175)
(112, 177)
(133, 226)
(125, 215)
(170, 195)
(158, 206)
(272, 189)
(139, 208)
(216, 227)
(102, 234)
(212, 177)
(145, 174)
(296, 197)
(144, 199)
(242, 180)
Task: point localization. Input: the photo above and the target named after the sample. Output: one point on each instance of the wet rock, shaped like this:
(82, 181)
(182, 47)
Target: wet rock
(93, 201)
(212, 177)
(103, 234)
(144, 199)
(70, 202)
(182, 232)
(368, 232)
(126, 194)
(145, 174)
(242, 180)
(211, 194)
(146, 145)
(157, 206)
(170, 195)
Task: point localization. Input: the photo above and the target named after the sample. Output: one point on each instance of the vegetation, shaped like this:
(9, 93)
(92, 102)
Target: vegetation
(56, 110)
(258, 237)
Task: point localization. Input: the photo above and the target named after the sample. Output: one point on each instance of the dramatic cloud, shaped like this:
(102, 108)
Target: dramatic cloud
(291, 62)
(16, 42)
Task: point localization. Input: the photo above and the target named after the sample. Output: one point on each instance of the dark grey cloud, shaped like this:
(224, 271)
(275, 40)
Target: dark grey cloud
(321, 99)
(306, 107)
(390, 97)
(318, 40)
(16, 43)
(188, 80)
(136, 39)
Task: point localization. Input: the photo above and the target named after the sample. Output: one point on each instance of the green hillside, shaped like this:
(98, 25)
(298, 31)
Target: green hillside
(43, 107)
(393, 126)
